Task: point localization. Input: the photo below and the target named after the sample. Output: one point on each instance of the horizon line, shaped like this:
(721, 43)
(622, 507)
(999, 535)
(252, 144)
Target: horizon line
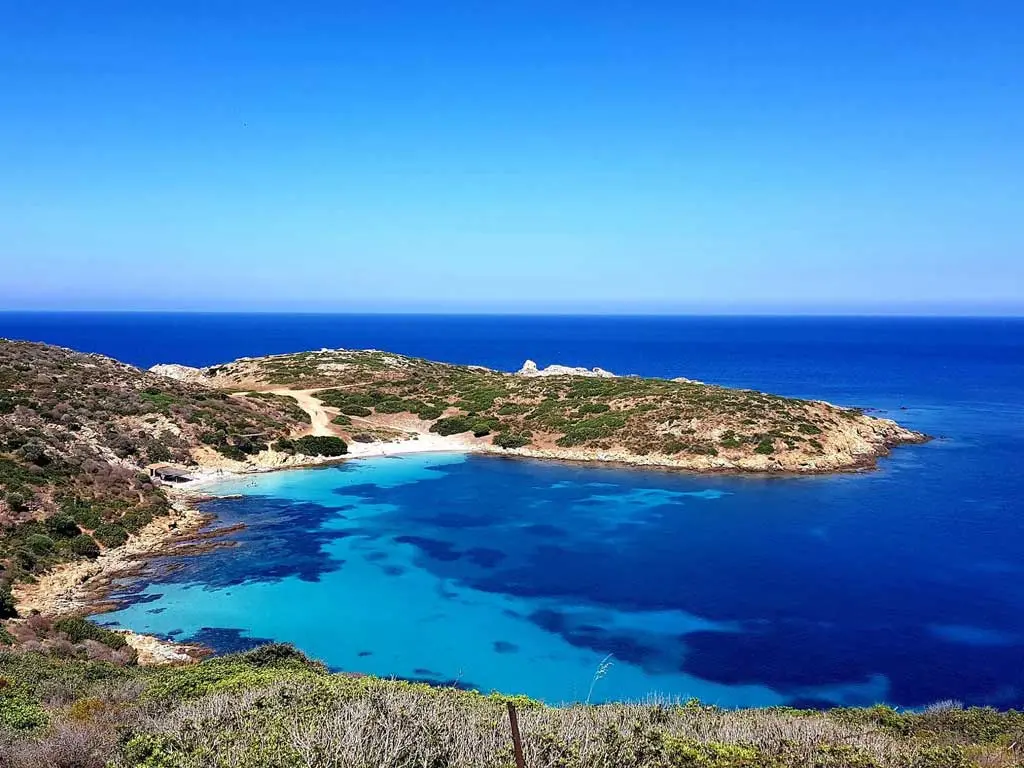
(1018, 314)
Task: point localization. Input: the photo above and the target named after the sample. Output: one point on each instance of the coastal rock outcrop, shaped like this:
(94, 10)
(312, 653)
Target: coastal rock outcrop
(530, 369)
(178, 372)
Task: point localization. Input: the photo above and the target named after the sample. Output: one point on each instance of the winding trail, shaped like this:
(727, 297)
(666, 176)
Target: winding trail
(320, 419)
(415, 440)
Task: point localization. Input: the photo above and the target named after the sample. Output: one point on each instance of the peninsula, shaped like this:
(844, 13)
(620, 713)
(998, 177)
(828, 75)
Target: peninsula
(370, 397)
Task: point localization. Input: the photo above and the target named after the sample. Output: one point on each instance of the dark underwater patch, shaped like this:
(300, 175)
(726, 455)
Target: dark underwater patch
(281, 539)
(623, 647)
(503, 646)
(227, 640)
(920, 669)
(484, 556)
(432, 548)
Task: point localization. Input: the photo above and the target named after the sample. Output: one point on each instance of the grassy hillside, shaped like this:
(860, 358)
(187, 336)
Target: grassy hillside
(670, 422)
(77, 430)
(272, 708)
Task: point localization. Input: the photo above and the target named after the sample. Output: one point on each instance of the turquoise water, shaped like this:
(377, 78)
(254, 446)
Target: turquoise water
(903, 585)
(525, 576)
(331, 563)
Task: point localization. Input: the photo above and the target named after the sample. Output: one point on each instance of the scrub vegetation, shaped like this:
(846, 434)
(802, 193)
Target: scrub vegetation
(76, 432)
(676, 421)
(273, 708)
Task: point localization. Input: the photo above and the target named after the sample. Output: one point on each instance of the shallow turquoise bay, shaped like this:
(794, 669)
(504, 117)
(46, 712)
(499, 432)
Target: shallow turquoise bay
(525, 576)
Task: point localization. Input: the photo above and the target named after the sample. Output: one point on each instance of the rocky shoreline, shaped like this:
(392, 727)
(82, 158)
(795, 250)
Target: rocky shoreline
(862, 452)
(84, 586)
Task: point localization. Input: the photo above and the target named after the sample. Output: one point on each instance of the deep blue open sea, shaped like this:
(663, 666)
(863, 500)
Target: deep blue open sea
(903, 585)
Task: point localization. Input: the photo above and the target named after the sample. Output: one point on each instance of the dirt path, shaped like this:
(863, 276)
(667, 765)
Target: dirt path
(319, 417)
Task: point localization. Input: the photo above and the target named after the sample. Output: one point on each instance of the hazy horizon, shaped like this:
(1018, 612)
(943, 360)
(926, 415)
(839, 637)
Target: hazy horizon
(910, 312)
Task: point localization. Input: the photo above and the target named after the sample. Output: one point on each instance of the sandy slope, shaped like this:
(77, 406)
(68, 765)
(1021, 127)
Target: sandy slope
(320, 418)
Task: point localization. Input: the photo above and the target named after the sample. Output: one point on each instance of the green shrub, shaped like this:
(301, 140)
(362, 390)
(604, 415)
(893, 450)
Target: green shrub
(231, 452)
(341, 420)
(452, 425)
(765, 447)
(87, 517)
(157, 451)
(110, 535)
(18, 710)
(278, 654)
(8, 608)
(511, 440)
(40, 543)
(512, 409)
(483, 427)
(686, 753)
(319, 445)
(62, 526)
(672, 446)
(595, 428)
(78, 629)
(137, 519)
(162, 401)
(84, 546)
(234, 672)
(17, 502)
(730, 440)
(396, 406)
(355, 410)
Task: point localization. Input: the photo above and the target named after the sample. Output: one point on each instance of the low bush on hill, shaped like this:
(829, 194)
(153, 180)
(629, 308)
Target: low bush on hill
(78, 629)
(84, 545)
(274, 707)
(595, 428)
(317, 445)
(110, 535)
(511, 440)
(452, 425)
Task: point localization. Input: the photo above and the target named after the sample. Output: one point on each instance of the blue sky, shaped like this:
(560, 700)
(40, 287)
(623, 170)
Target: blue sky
(739, 155)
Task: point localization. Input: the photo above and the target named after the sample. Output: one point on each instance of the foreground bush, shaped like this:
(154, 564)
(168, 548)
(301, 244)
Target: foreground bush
(273, 707)
(78, 629)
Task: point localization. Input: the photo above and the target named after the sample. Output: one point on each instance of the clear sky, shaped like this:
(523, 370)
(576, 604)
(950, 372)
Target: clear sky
(735, 155)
